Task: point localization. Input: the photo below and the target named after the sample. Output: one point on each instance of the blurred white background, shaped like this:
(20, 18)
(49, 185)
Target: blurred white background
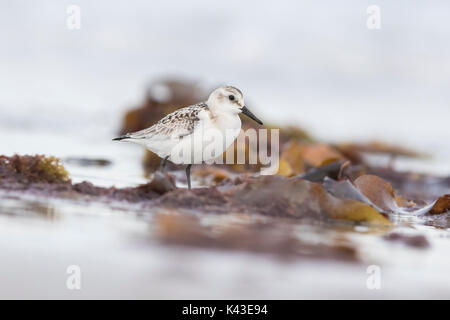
(311, 63)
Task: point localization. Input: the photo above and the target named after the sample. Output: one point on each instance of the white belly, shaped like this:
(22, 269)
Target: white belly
(208, 141)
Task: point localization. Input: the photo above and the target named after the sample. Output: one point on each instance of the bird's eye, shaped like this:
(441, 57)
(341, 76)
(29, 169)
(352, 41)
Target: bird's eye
(231, 97)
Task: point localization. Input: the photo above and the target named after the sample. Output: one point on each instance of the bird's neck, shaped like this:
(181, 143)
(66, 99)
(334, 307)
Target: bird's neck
(223, 118)
(220, 110)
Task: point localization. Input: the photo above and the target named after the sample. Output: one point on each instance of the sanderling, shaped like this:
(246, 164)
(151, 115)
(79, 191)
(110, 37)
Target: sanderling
(212, 125)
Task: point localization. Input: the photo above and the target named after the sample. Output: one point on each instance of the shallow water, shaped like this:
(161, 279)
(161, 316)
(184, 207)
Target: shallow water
(121, 256)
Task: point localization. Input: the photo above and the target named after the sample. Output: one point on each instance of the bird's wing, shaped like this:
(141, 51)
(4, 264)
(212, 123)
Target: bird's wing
(176, 124)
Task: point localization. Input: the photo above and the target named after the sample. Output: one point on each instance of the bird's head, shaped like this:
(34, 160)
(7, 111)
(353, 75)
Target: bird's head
(229, 99)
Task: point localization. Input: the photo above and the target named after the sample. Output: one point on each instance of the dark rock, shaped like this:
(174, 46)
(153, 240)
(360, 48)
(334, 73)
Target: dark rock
(86, 187)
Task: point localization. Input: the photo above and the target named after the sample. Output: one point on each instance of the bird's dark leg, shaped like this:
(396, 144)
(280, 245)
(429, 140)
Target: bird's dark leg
(188, 175)
(163, 164)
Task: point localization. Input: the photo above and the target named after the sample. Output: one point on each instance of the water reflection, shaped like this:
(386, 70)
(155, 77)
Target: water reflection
(134, 249)
(14, 207)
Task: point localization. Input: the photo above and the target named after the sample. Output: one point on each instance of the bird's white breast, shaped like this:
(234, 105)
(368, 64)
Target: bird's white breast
(210, 138)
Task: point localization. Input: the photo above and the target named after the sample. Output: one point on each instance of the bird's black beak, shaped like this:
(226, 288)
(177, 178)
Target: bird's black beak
(250, 115)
